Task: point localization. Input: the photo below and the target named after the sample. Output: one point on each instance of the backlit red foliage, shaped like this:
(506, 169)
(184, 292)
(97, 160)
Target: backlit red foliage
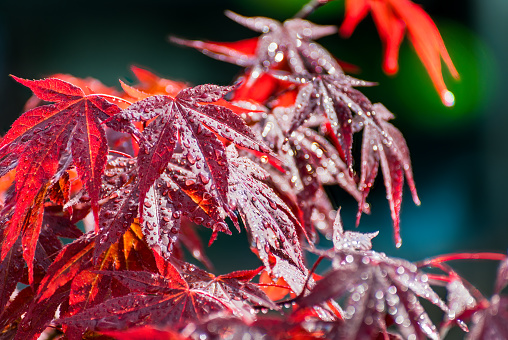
(153, 162)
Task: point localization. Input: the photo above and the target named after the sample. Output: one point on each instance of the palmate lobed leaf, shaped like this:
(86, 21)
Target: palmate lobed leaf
(72, 280)
(178, 194)
(272, 227)
(384, 145)
(347, 111)
(183, 294)
(374, 287)
(188, 118)
(334, 98)
(310, 161)
(282, 46)
(45, 140)
(392, 284)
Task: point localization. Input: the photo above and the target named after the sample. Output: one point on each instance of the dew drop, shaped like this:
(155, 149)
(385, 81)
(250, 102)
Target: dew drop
(191, 159)
(204, 178)
(448, 98)
(273, 205)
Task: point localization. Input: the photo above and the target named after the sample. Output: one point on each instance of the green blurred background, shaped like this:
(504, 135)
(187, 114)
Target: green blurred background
(459, 154)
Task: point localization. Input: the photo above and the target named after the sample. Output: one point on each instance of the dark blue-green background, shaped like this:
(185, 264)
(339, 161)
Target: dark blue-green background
(459, 156)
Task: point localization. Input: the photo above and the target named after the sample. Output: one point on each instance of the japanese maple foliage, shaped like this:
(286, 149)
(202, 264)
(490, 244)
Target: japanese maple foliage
(141, 169)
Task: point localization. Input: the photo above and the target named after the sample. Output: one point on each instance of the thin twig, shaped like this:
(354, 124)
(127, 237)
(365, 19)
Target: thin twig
(461, 256)
(309, 8)
(312, 270)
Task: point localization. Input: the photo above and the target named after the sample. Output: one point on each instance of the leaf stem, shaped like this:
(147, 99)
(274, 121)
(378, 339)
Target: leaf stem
(120, 153)
(312, 270)
(114, 98)
(461, 256)
(309, 8)
(453, 275)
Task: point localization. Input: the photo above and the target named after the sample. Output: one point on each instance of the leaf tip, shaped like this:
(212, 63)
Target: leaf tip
(18, 79)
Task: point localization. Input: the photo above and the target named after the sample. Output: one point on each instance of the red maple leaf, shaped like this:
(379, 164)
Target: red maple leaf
(310, 161)
(272, 227)
(190, 118)
(183, 294)
(282, 46)
(392, 17)
(153, 84)
(347, 111)
(384, 145)
(11, 271)
(373, 286)
(45, 140)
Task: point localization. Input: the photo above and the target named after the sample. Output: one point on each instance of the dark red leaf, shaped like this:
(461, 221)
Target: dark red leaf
(155, 300)
(333, 97)
(145, 333)
(310, 161)
(44, 139)
(376, 286)
(384, 145)
(286, 46)
(271, 225)
(11, 271)
(189, 120)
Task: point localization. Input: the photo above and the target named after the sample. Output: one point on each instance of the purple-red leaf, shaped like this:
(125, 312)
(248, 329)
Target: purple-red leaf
(289, 42)
(384, 145)
(188, 119)
(154, 300)
(11, 271)
(375, 286)
(490, 323)
(333, 97)
(271, 225)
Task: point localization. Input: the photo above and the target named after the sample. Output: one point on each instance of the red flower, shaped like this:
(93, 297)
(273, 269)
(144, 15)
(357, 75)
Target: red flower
(392, 17)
